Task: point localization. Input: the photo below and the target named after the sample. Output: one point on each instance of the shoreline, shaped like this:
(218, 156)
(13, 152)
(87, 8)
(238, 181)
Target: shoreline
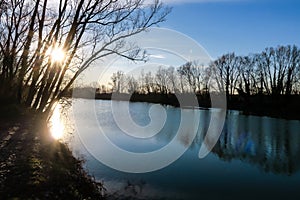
(35, 166)
(285, 107)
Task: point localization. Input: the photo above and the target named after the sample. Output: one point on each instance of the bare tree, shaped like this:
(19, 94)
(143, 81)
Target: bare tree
(149, 80)
(161, 79)
(275, 71)
(141, 83)
(293, 69)
(132, 84)
(84, 30)
(172, 80)
(226, 69)
(14, 16)
(279, 67)
(187, 71)
(247, 83)
(118, 82)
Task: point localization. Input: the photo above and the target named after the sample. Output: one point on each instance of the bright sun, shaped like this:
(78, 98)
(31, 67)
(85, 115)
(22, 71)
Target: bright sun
(57, 54)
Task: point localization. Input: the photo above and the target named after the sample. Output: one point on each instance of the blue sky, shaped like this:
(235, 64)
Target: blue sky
(241, 26)
(220, 27)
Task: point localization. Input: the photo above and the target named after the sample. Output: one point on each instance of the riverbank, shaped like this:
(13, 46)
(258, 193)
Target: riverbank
(35, 166)
(286, 107)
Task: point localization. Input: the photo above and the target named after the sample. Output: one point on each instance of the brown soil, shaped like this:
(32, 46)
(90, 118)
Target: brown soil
(34, 166)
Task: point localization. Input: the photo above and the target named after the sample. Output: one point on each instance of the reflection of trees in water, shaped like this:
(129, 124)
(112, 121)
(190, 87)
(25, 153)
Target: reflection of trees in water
(272, 144)
(173, 123)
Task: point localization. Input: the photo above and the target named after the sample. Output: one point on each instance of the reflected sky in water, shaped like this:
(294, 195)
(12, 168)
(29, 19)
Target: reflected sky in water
(255, 157)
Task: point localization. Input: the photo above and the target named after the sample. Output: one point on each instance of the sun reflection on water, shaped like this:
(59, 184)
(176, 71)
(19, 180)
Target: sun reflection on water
(56, 125)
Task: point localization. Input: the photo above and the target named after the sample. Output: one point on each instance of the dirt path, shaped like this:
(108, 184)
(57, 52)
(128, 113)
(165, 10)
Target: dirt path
(33, 166)
(8, 152)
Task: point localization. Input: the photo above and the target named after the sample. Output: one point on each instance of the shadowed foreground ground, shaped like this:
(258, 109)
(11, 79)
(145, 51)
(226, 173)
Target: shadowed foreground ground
(34, 166)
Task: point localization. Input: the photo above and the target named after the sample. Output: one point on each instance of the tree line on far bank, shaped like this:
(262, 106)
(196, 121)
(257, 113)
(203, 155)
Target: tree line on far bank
(273, 72)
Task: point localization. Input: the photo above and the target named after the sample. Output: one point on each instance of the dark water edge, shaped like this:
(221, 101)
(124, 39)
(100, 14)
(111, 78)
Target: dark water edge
(286, 107)
(35, 166)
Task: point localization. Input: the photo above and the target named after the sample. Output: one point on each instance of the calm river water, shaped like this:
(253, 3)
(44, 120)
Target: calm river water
(255, 157)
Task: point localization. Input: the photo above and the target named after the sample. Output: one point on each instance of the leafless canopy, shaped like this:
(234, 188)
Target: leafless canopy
(85, 30)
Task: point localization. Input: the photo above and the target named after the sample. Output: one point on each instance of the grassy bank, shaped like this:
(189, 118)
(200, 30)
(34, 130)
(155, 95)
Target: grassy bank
(35, 166)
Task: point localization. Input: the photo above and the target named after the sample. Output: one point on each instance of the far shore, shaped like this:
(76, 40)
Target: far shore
(286, 107)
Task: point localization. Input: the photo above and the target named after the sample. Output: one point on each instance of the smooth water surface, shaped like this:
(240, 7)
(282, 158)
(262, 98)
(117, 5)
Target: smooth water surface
(255, 157)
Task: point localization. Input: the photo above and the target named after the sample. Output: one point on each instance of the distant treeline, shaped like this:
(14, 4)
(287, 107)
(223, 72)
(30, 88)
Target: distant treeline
(264, 105)
(267, 83)
(275, 71)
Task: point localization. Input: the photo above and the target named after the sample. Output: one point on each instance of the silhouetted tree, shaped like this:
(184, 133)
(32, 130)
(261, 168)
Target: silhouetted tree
(172, 80)
(149, 80)
(161, 79)
(132, 84)
(187, 71)
(279, 68)
(85, 30)
(118, 82)
(293, 69)
(275, 71)
(247, 79)
(226, 69)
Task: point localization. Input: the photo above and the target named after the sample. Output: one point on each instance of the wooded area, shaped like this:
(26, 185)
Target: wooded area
(78, 32)
(275, 71)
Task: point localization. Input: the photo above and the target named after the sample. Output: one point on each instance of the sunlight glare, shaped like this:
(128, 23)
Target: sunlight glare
(57, 54)
(56, 125)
